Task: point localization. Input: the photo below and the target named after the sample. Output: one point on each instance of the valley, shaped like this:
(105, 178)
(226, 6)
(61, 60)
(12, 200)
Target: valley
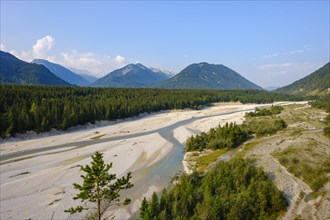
(43, 169)
(185, 110)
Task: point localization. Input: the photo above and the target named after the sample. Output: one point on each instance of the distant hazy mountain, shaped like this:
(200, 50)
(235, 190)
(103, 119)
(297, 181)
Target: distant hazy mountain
(84, 73)
(316, 83)
(270, 88)
(16, 71)
(132, 75)
(207, 76)
(63, 73)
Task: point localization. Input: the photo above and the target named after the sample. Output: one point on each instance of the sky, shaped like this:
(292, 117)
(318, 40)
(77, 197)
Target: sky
(271, 43)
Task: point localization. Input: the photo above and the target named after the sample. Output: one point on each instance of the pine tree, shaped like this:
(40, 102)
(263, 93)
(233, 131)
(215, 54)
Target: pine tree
(154, 206)
(99, 185)
(144, 209)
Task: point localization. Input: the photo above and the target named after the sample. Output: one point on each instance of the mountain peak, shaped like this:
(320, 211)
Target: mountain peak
(208, 76)
(131, 75)
(162, 71)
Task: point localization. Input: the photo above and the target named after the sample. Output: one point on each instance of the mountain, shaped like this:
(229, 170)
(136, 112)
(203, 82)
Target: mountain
(164, 71)
(207, 76)
(132, 75)
(63, 72)
(316, 83)
(85, 74)
(16, 71)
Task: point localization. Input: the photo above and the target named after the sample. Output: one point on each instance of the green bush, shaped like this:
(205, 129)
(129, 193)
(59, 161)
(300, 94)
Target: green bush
(227, 136)
(273, 110)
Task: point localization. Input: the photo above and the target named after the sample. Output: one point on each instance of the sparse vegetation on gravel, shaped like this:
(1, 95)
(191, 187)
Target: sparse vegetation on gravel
(307, 163)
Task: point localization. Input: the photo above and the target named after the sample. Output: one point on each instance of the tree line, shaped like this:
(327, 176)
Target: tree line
(41, 108)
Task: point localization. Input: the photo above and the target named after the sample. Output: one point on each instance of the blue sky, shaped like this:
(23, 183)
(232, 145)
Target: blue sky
(271, 43)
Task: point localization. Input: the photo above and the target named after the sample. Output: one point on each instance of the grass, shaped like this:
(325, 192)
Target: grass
(202, 162)
(305, 163)
(248, 146)
(265, 125)
(308, 160)
(98, 137)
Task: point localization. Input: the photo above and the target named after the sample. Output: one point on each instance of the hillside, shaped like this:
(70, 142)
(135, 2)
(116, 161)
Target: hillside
(63, 73)
(316, 83)
(207, 76)
(131, 76)
(16, 71)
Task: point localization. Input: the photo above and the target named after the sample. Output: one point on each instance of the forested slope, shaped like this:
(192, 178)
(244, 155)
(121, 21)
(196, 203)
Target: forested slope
(16, 71)
(316, 83)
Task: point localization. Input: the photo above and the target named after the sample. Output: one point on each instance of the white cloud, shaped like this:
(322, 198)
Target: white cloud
(97, 65)
(292, 52)
(119, 59)
(278, 69)
(24, 55)
(270, 55)
(2, 47)
(42, 47)
(281, 74)
(297, 51)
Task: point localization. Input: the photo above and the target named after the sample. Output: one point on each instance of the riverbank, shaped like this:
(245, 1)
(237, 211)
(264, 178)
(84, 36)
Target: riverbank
(295, 158)
(42, 170)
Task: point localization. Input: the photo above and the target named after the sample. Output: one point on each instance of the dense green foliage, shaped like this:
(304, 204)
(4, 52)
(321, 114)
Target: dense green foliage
(40, 108)
(207, 76)
(232, 135)
(273, 110)
(317, 83)
(100, 186)
(324, 103)
(264, 126)
(227, 136)
(13, 70)
(231, 190)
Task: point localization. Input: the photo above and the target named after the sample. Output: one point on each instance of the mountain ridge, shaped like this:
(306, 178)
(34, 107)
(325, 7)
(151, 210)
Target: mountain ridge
(16, 71)
(132, 76)
(316, 83)
(63, 72)
(207, 76)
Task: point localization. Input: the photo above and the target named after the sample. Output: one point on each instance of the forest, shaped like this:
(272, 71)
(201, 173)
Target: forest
(41, 108)
(231, 190)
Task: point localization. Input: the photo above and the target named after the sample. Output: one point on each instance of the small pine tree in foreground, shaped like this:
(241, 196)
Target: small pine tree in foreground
(99, 185)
